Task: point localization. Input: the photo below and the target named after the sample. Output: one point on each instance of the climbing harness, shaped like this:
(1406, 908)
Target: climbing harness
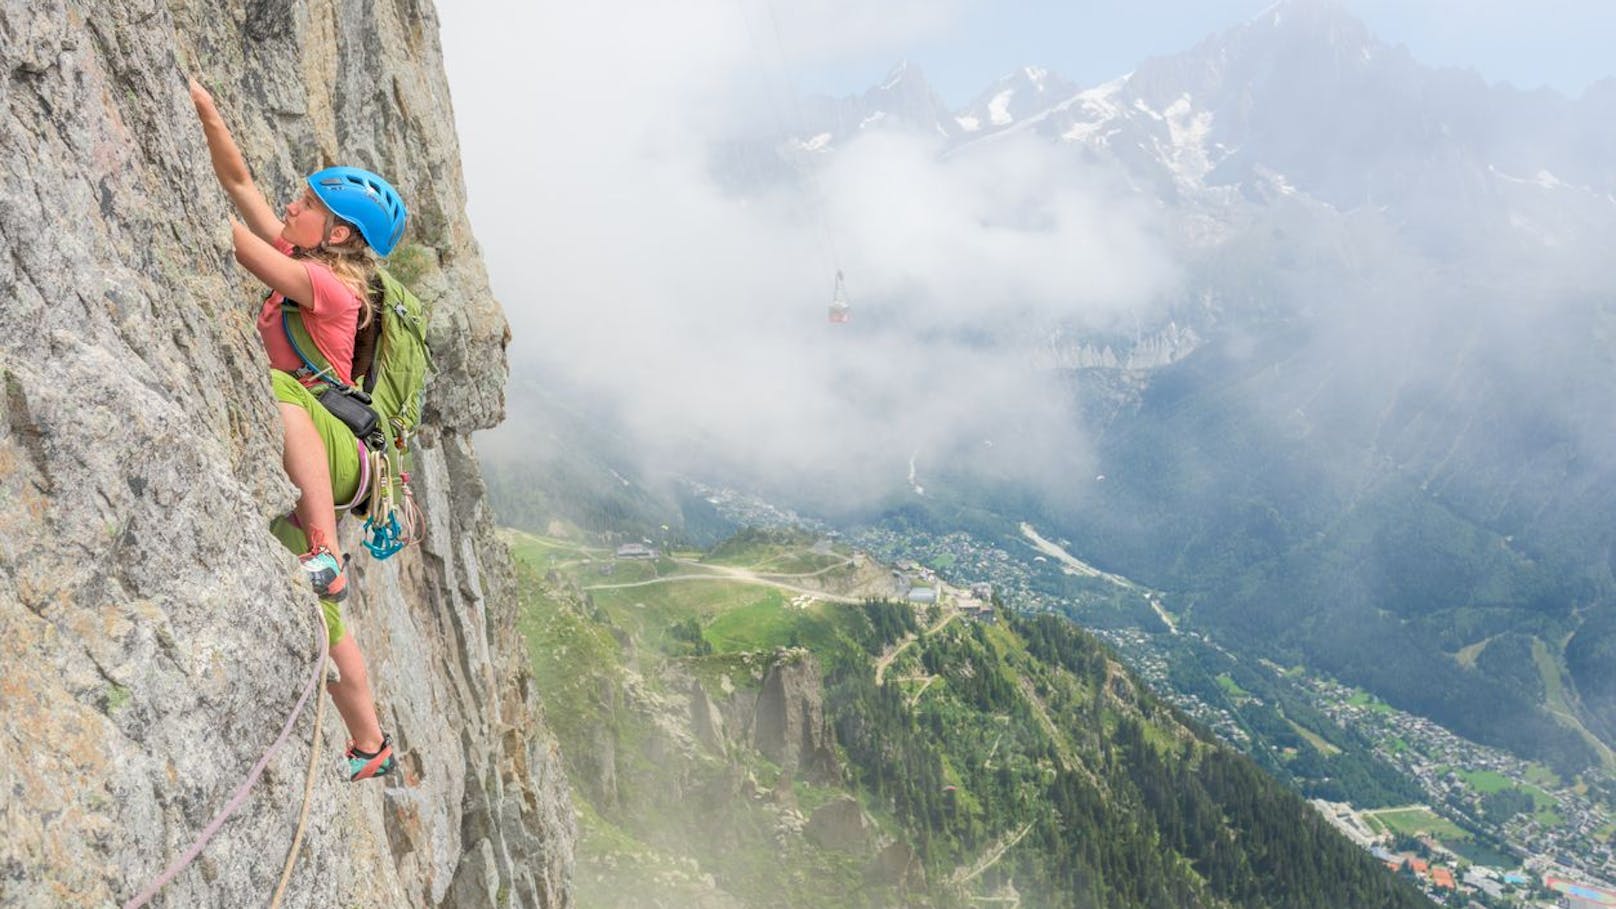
(347, 403)
(240, 795)
(384, 536)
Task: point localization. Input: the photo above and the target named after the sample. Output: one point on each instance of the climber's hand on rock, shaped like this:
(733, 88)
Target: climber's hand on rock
(231, 169)
(201, 98)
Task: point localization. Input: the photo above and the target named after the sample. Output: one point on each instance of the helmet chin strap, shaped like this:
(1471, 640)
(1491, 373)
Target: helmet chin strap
(330, 225)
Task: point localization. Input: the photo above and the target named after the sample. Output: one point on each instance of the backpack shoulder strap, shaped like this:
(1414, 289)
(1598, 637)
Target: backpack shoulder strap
(398, 301)
(297, 334)
(367, 340)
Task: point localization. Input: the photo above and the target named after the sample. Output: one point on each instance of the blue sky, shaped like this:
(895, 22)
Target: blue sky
(1565, 44)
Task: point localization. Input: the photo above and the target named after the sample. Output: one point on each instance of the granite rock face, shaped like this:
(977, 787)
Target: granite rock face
(153, 636)
(789, 725)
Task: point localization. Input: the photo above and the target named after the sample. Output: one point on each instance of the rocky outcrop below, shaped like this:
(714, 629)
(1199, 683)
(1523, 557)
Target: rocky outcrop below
(840, 824)
(689, 769)
(155, 637)
(788, 719)
(773, 706)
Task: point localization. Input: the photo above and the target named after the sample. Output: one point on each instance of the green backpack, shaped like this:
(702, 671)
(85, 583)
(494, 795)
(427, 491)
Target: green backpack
(391, 363)
(399, 359)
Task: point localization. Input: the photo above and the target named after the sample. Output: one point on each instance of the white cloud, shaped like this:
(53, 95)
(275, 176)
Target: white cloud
(1008, 229)
(586, 135)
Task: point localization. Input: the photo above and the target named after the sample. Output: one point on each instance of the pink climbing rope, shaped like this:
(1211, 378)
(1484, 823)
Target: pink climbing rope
(242, 791)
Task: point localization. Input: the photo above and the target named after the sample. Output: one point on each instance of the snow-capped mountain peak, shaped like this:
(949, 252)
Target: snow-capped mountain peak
(1300, 102)
(1015, 97)
(903, 71)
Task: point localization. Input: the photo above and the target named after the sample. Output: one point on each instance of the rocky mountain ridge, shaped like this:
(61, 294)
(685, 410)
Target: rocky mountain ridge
(1301, 99)
(154, 634)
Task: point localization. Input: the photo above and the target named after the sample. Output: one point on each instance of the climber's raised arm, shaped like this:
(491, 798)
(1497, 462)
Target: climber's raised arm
(231, 168)
(285, 275)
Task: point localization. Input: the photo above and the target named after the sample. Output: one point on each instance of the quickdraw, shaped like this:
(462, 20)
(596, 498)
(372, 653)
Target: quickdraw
(384, 534)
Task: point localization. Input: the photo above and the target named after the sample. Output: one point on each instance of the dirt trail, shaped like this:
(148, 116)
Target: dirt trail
(990, 857)
(915, 698)
(752, 577)
(729, 573)
(758, 569)
(886, 658)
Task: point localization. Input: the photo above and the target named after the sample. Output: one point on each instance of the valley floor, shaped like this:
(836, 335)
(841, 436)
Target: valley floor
(1570, 832)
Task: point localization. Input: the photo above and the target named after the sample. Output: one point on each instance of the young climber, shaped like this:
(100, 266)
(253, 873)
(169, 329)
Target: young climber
(320, 259)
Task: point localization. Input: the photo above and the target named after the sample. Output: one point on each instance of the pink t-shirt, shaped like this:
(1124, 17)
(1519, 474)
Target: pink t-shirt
(331, 317)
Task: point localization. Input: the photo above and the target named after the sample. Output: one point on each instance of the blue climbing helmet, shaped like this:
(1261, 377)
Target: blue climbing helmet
(364, 200)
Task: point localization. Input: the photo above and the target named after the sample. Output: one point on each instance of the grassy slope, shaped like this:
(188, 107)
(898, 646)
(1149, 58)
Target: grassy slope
(999, 758)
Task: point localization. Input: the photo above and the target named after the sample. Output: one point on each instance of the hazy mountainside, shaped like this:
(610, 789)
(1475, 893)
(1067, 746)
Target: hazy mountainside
(154, 635)
(565, 461)
(746, 729)
(1364, 573)
(1384, 426)
(1372, 420)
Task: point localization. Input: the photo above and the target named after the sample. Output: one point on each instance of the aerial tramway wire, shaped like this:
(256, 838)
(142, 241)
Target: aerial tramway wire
(825, 236)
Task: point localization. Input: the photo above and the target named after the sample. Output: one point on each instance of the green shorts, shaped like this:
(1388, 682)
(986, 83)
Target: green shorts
(341, 457)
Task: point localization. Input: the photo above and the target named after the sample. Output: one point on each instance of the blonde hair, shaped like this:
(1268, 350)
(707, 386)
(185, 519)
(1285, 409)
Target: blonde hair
(353, 263)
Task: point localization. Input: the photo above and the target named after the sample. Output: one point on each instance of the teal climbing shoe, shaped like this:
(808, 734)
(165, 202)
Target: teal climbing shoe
(325, 574)
(363, 765)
